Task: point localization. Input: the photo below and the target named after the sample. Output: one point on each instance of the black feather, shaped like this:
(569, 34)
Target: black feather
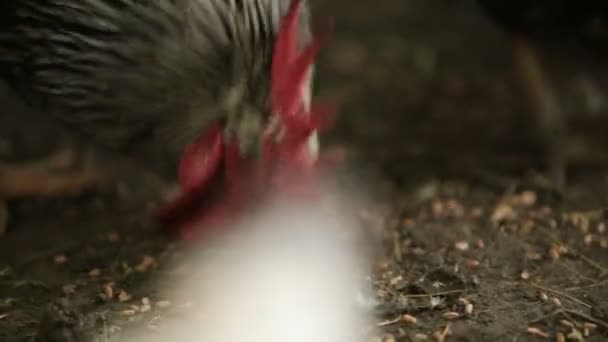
(142, 75)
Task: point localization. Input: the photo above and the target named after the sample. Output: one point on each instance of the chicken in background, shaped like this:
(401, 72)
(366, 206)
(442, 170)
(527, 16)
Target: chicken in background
(213, 84)
(554, 22)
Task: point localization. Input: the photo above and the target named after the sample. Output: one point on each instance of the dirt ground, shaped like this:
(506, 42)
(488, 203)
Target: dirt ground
(476, 247)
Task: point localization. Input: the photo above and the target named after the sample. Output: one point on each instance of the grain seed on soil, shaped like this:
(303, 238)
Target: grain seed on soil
(421, 337)
(108, 290)
(532, 254)
(575, 335)
(60, 259)
(145, 305)
(556, 301)
(407, 318)
(146, 263)
(559, 337)
(578, 220)
(589, 328)
(556, 250)
(96, 272)
(588, 239)
(390, 322)
(472, 263)
(468, 309)
(503, 212)
(463, 301)
(396, 280)
(537, 332)
(163, 304)
(527, 198)
(123, 296)
(128, 312)
(451, 315)
(462, 246)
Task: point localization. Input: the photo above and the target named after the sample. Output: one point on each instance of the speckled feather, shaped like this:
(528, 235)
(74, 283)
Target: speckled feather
(145, 76)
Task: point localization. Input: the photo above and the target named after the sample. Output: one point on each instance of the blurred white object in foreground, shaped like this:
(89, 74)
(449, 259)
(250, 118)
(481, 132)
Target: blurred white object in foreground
(292, 275)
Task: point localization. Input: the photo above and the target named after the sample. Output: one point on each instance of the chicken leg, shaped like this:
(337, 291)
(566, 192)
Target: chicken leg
(550, 118)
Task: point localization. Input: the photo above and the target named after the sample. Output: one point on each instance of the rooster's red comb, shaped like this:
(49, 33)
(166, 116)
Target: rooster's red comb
(290, 67)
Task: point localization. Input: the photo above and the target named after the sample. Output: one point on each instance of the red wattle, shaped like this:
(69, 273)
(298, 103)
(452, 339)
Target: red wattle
(202, 159)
